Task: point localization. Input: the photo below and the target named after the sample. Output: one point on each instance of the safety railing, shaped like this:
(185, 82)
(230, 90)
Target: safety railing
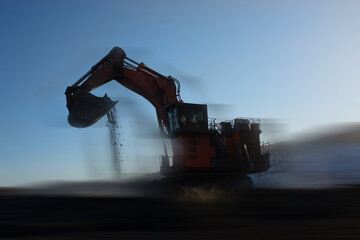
(213, 125)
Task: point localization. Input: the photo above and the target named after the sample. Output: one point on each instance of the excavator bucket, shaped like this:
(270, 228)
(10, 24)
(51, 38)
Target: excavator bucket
(86, 109)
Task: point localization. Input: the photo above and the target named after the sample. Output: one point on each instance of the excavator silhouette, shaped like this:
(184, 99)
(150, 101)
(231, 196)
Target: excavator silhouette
(202, 149)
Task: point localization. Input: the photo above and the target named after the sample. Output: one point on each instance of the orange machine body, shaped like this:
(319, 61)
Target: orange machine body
(232, 146)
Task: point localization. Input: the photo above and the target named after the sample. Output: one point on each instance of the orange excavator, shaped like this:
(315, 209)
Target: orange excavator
(200, 147)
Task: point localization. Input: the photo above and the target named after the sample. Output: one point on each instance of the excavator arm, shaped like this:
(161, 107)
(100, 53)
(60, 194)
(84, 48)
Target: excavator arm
(85, 109)
(232, 148)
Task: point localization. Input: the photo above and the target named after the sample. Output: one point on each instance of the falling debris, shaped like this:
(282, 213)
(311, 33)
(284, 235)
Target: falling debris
(116, 143)
(227, 149)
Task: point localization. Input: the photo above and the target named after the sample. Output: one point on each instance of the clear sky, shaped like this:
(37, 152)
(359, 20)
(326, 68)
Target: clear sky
(296, 61)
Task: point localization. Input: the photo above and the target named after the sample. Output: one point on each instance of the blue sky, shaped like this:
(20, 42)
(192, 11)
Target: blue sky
(296, 61)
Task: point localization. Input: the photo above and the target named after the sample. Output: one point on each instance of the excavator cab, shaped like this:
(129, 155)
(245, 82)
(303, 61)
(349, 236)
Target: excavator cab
(230, 147)
(187, 118)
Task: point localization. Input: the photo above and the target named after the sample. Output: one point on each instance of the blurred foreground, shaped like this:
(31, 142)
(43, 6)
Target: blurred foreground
(249, 214)
(311, 191)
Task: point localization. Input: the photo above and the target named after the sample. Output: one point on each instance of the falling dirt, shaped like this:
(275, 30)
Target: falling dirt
(115, 129)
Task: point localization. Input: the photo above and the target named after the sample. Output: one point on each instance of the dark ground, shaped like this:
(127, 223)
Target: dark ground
(250, 214)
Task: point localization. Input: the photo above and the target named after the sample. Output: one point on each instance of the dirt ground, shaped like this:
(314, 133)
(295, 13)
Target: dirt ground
(249, 214)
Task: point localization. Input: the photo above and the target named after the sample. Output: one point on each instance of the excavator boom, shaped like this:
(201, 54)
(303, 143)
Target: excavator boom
(85, 109)
(230, 147)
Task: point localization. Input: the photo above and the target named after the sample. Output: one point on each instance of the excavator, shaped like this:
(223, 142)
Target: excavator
(202, 149)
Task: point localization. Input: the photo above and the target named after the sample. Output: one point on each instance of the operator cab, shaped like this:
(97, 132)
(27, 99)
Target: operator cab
(187, 118)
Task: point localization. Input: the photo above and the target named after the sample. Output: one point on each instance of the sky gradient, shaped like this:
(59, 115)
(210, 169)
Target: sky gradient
(294, 61)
